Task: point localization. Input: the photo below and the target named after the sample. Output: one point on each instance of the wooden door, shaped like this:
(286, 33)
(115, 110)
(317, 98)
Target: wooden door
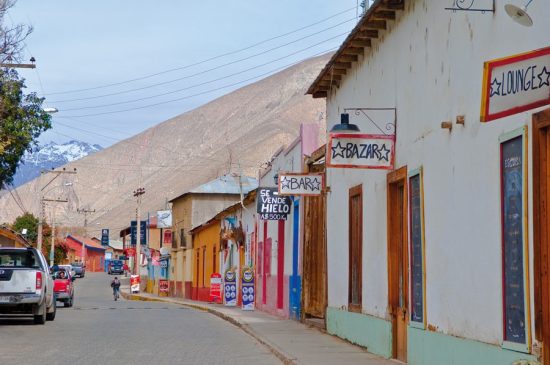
(541, 199)
(398, 262)
(355, 273)
(315, 257)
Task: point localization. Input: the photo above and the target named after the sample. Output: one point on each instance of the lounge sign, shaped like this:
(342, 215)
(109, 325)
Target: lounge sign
(366, 151)
(515, 84)
(300, 184)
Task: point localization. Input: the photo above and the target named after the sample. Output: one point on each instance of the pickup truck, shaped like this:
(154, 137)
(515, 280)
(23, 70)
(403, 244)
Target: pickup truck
(26, 286)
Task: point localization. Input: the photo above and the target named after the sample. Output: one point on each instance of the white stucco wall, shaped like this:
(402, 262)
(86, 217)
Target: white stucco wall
(429, 65)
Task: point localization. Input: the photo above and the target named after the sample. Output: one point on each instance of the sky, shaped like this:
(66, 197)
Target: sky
(115, 68)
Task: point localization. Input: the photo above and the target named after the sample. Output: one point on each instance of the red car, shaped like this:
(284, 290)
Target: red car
(63, 287)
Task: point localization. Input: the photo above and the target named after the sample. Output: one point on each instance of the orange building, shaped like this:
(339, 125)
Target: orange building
(206, 245)
(94, 252)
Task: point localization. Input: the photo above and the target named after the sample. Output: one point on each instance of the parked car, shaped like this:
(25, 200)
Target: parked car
(63, 286)
(79, 269)
(26, 286)
(115, 267)
(69, 268)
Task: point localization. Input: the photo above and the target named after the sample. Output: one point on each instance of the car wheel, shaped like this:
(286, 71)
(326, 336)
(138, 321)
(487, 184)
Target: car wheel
(51, 316)
(41, 318)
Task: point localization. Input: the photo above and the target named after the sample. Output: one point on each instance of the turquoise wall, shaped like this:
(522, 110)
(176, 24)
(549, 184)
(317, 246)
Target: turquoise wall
(432, 348)
(361, 329)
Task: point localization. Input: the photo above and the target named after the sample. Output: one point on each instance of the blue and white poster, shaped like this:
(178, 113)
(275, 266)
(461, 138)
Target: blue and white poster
(247, 289)
(230, 289)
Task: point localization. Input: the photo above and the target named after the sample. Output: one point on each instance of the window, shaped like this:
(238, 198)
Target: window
(417, 257)
(513, 177)
(355, 248)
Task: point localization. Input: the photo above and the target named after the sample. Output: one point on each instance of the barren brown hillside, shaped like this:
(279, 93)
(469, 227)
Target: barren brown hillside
(239, 130)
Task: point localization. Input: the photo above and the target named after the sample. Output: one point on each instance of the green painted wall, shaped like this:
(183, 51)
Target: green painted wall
(361, 329)
(432, 348)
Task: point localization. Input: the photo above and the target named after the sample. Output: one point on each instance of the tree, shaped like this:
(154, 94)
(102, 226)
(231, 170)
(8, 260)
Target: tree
(22, 120)
(29, 222)
(11, 38)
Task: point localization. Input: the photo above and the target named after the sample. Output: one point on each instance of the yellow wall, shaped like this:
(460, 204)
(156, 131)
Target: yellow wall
(154, 238)
(205, 243)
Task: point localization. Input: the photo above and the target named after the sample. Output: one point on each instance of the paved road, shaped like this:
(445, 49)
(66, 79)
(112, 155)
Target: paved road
(98, 330)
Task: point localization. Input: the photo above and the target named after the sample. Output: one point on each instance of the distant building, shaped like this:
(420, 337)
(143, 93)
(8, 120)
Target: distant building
(94, 254)
(10, 238)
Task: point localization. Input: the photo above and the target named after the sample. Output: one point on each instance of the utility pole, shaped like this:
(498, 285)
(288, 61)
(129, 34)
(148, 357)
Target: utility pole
(53, 227)
(85, 212)
(138, 193)
(41, 200)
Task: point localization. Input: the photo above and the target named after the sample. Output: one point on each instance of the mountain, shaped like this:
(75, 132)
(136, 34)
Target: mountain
(236, 133)
(51, 155)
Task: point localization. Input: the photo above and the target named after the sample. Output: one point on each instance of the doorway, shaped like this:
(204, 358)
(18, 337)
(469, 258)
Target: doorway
(398, 262)
(541, 220)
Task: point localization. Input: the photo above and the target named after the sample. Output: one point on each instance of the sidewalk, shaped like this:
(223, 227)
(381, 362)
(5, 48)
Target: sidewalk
(291, 341)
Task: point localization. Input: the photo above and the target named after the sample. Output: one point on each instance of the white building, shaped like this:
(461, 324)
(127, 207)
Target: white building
(445, 263)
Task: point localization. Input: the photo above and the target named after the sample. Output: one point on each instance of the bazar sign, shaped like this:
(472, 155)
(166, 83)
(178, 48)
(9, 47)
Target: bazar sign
(515, 84)
(300, 184)
(366, 151)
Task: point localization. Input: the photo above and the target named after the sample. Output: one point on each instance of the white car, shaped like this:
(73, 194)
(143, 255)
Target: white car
(26, 286)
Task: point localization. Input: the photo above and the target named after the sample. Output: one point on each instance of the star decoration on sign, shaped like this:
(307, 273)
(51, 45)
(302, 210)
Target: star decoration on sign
(336, 154)
(285, 183)
(317, 184)
(384, 152)
(544, 80)
(495, 90)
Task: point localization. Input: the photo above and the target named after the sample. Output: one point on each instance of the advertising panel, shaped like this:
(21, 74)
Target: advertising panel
(247, 289)
(216, 288)
(230, 289)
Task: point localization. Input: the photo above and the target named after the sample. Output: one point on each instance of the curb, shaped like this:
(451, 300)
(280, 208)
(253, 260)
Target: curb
(285, 358)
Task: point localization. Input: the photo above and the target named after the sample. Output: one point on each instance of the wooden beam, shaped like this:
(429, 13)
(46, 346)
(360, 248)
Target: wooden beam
(367, 33)
(339, 71)
(18, 65)
(384, 14)
(342, 64)
(395, 5)
(319, 94)
(361, 43)
(374, 24)
(348, 58)
(353, 51)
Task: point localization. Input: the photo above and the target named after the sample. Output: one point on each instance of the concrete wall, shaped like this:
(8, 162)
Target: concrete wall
(429, 66)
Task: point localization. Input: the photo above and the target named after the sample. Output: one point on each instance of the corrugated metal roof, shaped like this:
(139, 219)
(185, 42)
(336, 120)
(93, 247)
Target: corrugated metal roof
(225, 184)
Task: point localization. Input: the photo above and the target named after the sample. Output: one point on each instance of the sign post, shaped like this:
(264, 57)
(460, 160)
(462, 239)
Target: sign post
(247, 289)
(514, 84)
(301, 184)
(216, 288)
(134, 283)
(105, 237)
(271, 206)
(230, 289)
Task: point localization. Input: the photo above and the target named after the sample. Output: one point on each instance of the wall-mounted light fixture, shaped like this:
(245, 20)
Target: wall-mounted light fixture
(276, 178)
(519, 15)
(344, 126)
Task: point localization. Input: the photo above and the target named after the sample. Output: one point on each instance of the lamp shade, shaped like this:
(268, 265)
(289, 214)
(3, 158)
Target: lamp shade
(345, 125)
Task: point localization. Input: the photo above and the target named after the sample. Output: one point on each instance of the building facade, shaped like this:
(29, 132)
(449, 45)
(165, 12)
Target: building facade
(438, 259)
(206, 246)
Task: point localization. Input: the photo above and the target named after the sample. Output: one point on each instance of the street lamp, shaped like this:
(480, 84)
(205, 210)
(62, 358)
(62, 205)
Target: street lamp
(51, 110)
(345, 125)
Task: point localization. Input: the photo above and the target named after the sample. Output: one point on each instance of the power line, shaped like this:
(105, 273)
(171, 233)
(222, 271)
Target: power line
(194, 95)
(214, 68)
(203, 61)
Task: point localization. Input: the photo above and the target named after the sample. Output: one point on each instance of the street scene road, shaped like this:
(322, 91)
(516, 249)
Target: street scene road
(98, 330)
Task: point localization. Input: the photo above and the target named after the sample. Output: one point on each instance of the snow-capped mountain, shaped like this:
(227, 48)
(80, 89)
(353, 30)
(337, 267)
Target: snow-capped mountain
(50, 156)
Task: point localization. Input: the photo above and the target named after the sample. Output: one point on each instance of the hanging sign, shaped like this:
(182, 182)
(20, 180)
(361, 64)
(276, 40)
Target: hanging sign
(247, 289)
(164, 286)
(142, 232)
(515, 84)
(300, 184)
(271, 206)
(216, 288)
(366, 151)
(230, 289)
(105, 237)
